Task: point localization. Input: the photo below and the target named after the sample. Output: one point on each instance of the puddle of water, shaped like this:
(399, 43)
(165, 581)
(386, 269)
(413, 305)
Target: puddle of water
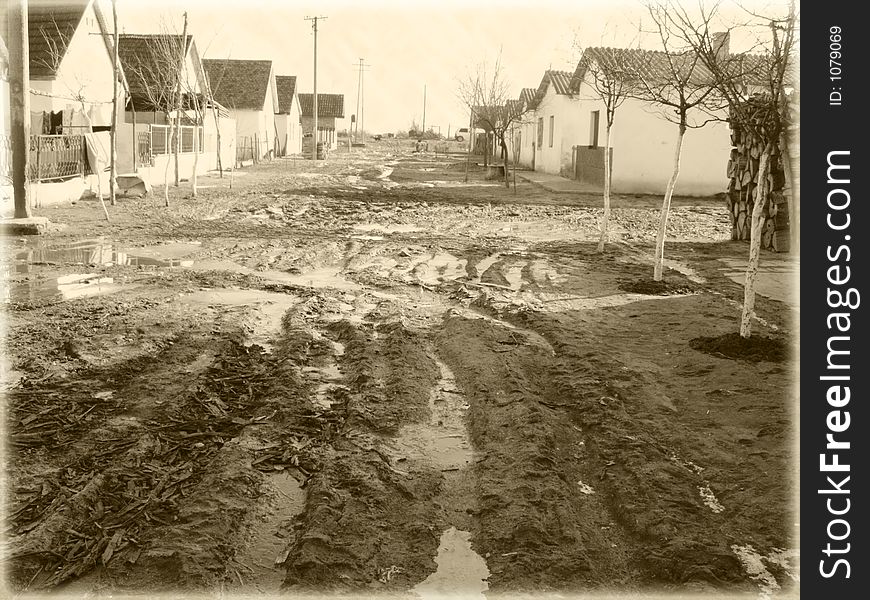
(397, 228)
(268, 309)
(322, 277)
(753, 564)
(443, 441)
(710, 500)
(554, 303)
(329, 375)
(441, 267)
(284, 499)
(64, 287)
(485, 264)
(98, 252)
(543, 273)
(461, 573)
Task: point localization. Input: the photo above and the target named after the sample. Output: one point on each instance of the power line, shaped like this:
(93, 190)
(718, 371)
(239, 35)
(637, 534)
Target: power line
(361, 68)
(314, 133)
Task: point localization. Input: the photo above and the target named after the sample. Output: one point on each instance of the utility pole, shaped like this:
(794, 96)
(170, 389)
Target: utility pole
(314, 133)
(19, 96)
(424, 109)
(361, 68)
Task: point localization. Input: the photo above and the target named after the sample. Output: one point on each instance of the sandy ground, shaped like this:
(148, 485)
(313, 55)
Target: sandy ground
(371, 378)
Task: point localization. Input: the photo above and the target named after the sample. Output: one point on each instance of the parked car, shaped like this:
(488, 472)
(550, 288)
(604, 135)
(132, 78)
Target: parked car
(462, 134)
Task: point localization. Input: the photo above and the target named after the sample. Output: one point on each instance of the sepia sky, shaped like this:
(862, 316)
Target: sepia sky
(408, 44)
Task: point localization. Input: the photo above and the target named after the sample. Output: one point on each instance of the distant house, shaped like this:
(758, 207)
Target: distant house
(557, 126)
(247, 89)
(642, 140)
(329, 108)
(145, 140)
(288, 119)
(524, 139)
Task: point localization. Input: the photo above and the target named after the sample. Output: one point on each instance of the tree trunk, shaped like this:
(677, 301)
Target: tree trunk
(166, 169)
(195, 160)
(217, 128)
(504, 156)
(755, 242)
(113, 167)
(666, 208)
(605, 219)
(178, 97)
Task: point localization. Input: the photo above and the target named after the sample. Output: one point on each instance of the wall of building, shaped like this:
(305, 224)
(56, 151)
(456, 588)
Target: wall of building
(557, 159)
(643, 149)
(289, 132)
(85, 71)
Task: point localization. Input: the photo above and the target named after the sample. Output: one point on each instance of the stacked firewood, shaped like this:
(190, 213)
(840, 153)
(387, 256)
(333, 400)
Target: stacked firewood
(743, 168)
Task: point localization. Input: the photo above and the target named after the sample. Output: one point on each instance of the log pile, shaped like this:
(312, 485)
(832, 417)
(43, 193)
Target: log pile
(743, 174)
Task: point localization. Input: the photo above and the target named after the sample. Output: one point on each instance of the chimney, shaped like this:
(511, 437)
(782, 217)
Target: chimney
(720, 42)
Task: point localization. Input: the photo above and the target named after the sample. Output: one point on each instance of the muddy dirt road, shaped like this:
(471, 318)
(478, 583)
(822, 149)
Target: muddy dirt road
(371, 378)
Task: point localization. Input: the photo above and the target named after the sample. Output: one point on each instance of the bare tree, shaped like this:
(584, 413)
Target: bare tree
(674, 80)
(56, 44)
(611, 75)
(158, 72)
(754, 87)
(495, 111)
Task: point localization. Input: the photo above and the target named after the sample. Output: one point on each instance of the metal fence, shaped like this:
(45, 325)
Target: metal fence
(51, 157)
(57, 157)
(163, 143)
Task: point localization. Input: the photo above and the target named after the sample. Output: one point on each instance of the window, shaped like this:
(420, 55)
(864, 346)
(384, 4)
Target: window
(552, 126)
(540, 132)
(594, 120)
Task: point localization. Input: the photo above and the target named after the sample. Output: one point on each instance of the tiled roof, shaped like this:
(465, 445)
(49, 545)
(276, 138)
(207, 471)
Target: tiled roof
(143, 58)
(50, 26)
(655, 67)
(527, 95)
(239, 84)
(286, 86)
(561, 81)
(328, 105)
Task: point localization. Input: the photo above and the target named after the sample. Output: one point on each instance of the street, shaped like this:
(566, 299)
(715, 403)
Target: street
(367, 376)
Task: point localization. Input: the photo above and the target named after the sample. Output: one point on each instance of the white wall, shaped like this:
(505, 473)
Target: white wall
(643, 149)
(566, 133)
(86, 71)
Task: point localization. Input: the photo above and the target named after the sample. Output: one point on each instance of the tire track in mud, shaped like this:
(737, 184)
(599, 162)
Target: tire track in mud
(161, 501)
(534, 523)
(640, 445)
(367, 524)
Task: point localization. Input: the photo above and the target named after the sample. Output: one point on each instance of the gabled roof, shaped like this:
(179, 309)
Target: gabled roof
(655, 67)
(142, 58)
(328, 105)
(527, 95)
(560, 80)
(50, 27)
(286, 86)
(239, 84)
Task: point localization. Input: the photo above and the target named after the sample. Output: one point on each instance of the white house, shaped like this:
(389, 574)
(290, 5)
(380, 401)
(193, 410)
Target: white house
(71, 78)
(144, 143)
(329, 108)
(526, 130)
(557, 125)
(247, 89)
(70, 94)
(288, 119)
(643, 141)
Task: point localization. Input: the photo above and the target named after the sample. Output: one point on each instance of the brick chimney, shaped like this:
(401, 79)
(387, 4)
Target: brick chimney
(720, 42)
